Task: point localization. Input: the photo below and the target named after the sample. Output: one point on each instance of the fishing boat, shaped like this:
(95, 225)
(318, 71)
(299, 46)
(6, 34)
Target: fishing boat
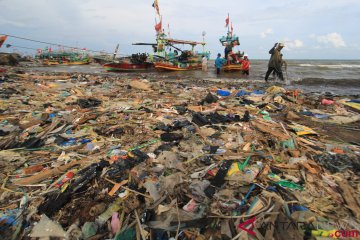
(136, 62)
(167, 53)
(171, 58)
(50, 58)
(230, 41)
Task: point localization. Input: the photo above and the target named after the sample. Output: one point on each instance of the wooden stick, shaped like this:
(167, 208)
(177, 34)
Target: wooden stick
(122, 216)
(6, 189)
(139, 224)
(178, 218)
(126, 188)
(347, 194)
(282, 125)
(194, 158)
(269, 233)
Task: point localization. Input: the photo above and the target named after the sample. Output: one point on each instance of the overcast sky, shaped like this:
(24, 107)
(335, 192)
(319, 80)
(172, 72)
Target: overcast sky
(311, 29)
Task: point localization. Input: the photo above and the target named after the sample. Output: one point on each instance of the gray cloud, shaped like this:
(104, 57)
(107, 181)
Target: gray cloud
(102, 24)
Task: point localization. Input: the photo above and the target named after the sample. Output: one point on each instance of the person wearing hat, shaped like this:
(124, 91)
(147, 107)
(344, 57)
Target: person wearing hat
(275, 61)
(245, 65)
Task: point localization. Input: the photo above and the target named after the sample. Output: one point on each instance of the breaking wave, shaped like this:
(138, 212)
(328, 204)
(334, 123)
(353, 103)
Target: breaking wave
(334, 66)
(333, 82)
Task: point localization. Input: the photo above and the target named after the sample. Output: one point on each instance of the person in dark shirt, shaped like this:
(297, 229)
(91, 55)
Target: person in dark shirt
(275, 61)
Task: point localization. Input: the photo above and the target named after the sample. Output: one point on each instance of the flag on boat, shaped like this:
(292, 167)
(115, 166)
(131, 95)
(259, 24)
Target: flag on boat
(232, 29)
(156, 6)
(227, 21)
(2, 39)
(158, 26)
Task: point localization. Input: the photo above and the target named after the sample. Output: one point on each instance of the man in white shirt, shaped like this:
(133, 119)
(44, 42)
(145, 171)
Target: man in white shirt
(204, 63)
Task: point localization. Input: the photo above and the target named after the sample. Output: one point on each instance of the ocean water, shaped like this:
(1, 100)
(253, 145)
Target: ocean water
(335, 76)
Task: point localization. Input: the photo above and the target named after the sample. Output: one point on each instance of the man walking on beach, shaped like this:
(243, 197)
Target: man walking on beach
(275, 61)
(204, 63)
(283, 65)
(218, 63)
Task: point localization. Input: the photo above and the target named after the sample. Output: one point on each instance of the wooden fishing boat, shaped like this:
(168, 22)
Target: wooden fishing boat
(180, 67)
(230, 41)
(50, 58)
(127, 67)
(133, 63)
(84, 62)
(232, 67)
(173, 61)
(48, 62)
(168, 56)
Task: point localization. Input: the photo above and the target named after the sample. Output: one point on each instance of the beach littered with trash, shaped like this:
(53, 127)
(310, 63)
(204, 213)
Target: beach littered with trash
(94, 156)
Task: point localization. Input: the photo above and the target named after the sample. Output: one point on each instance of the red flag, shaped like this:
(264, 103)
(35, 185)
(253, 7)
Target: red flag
(227, 21)
(2, 39)
(158, 26)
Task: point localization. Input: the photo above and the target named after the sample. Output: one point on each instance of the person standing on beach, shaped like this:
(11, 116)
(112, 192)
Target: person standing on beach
(218, 63)
(204, 63)
(245, 65)
(275, 61)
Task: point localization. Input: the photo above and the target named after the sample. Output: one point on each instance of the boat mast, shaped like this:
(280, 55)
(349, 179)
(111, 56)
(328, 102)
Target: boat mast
(115, 52)
(203, 45)
(228, 24)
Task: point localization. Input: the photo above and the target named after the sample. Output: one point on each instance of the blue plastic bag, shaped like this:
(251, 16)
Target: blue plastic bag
(223, 93)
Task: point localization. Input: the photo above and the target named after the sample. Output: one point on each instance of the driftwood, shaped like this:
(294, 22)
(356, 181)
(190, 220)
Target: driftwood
(48, 173)
(276, 132)
(347, 194)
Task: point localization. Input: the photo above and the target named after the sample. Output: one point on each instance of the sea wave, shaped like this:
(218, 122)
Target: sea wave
(306, 65)
(330, 82)
(334, 66)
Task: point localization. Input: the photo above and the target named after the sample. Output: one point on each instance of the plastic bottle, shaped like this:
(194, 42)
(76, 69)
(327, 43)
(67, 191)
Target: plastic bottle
(114, 207)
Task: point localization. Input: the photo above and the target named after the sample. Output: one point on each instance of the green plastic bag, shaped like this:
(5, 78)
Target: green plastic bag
(128, 234)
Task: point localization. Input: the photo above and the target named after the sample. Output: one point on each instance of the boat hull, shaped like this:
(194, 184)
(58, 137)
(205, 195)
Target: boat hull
(126, 67)
(77, 63)
(56, 63)
(171, 67)
(232, 67)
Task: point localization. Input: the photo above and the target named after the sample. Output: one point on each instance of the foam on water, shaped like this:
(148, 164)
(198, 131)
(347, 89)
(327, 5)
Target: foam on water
(339, 66)
(306, 65)
(330, 66)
